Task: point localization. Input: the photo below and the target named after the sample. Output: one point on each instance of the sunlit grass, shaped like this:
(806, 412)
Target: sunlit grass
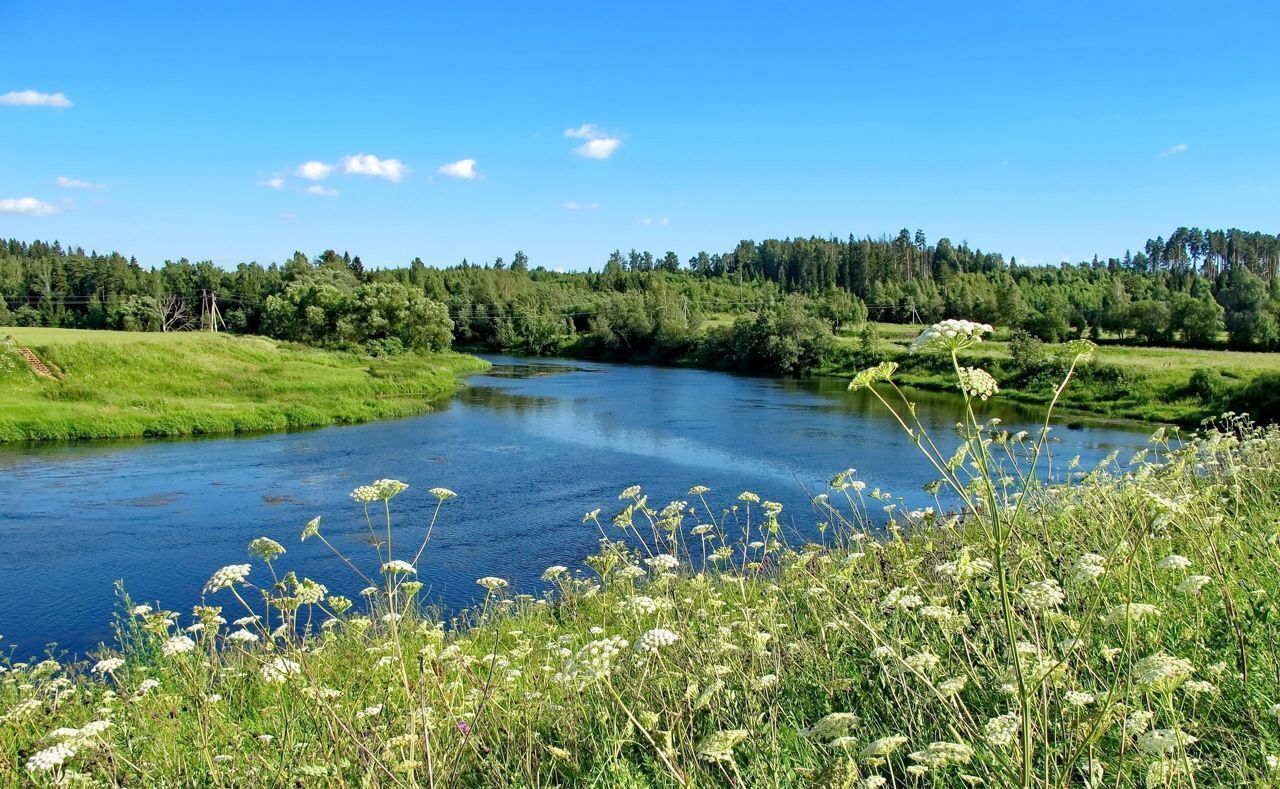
(127, 384)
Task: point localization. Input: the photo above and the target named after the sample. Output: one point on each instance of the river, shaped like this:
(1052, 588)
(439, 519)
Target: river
(529, 447)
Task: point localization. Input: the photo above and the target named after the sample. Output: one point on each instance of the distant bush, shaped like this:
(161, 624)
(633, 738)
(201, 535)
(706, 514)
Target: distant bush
(1260, 398)
(1207, 385)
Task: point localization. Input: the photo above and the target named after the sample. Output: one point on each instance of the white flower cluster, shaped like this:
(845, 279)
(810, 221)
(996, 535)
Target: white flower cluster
(829, 727)
(593, 661)
(950, 335)
(1088, 567)
(381, 490)
(177, 645)
(279, 670)
(977, 382)
(1002, 731)
(940, 754)
(492, 583)
(227, 577)
(1043, 595)
(265, 548)
(656, 639)
(50, 758)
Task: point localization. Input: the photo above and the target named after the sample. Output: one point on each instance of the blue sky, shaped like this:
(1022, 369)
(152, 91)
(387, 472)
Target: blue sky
(1041, 130)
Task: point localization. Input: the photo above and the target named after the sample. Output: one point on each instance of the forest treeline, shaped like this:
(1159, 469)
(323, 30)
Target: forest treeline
(768, 306)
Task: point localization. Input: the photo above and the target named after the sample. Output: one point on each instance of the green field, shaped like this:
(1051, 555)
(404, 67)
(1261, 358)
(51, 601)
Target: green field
(131, 384)
(1155, 389)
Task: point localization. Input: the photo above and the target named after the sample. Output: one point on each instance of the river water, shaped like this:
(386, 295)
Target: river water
(529, 447)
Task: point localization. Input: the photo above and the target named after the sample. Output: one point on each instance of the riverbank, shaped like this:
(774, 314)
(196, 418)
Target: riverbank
(1119, 381)
(135, 384)
(1132, 646)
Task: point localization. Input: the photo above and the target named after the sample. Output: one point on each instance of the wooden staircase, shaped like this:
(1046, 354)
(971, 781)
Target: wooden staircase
(35, 363)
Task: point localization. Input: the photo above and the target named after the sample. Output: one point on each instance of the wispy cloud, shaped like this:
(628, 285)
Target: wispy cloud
(314, 171)
(26, 205)
(662, 221)
(463, 168)
(272, 183)
(368, 164)
(34, 98)
(1179, 148)
(76, 183)
(599, 143)
(317, 189)
(574, 205)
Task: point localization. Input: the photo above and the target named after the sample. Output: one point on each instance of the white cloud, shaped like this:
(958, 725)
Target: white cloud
(33, 98)
(26, 205)
(602, 148)
(368, 164)
(599, 144)
(664, 221)
(314, 171)
(574, 205)
(76, 183)
(587, 131)
(1179, 148)
(317, 189)
(273, 183)
(463, 168)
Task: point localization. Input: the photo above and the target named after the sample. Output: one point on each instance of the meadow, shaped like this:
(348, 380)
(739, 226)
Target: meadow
(1134, 382)
(130, 384)
(1116, 628)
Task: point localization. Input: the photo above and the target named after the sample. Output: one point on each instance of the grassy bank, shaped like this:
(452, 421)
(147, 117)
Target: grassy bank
(1150, 384)
(1117, 631)
(129, 384)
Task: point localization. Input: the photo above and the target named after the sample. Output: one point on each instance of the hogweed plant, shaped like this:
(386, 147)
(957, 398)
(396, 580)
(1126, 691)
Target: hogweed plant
(1117, 627)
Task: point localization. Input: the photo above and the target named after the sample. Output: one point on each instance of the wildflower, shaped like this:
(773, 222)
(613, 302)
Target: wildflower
(279, 670)
(1077, 698)
(950, 335)
(1043, 595)
(1162, 672)
(902, 599)
(829, 727)
(1162, 741)
(1194, 583)
(1138, 721)
(662, 562)
(50, 758)
(381, 490)
(943, 753)
(265, 548)
(1088, 567)
(748, 496)
(227, 577)
(399, 567)
(242, 636)
(922, 662)
(1173, 562)
(140, 610)
(1002, 731)
(443, 493)
(872, 782)
(764, 682)
(656, 639)
(865, 378)
(884, 746)
(311, 529)
(952, 686)
(107, 665)
(964, 567)
(1134, 612)
(369, 712)
(491, 583)
(177, 645)
(698, 490)
(976, 382)
(554, 571)
(1196, 687)
(718, 746)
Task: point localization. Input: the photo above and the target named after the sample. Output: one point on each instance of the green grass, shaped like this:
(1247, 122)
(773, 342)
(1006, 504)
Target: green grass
(1154, 388)
(131, 384)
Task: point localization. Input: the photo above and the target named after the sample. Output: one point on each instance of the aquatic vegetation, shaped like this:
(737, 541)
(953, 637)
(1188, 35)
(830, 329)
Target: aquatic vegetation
(1116, 628)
